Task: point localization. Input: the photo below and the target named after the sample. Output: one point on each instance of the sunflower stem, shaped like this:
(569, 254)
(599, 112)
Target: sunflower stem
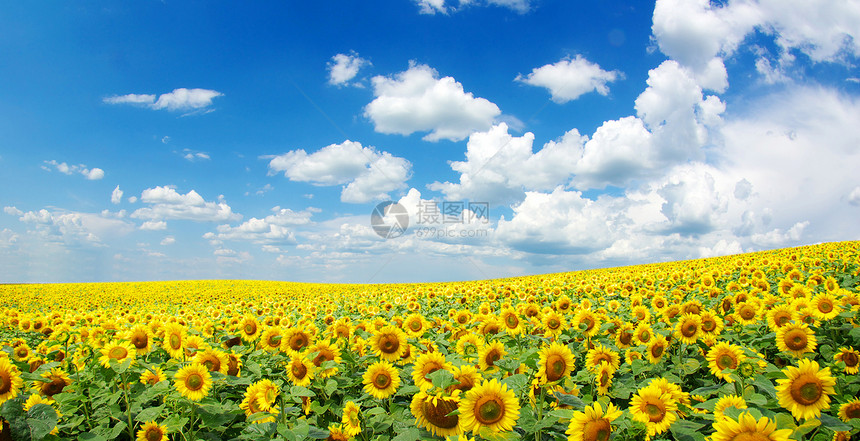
(124, 386)
(539, 406)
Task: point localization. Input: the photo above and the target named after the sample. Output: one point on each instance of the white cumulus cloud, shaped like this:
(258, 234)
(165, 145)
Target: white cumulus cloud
(368, 174)
(181, 99)
(569, 78)
(167, 203)
(344, 67)
(116, 195)
(416, 100)
(92, 174)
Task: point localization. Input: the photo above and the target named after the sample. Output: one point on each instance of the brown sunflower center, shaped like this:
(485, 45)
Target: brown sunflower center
(553, 323)
(462, 319)
(415, 325)
(625, 337)
(5, 383)
(153, 434)
(750, 436)
(555, 367)
(853, 411)
(175, 341)
(598, 430)
(299, 370)
(655, 411)
(274, 340)
(194, 381)
(389, 343)
(250, 328)
(726, 361)
(324, 355)
(796, 339)
(489, 410)
(657, 350)
(298, 341)
(212, 364)
(747, 312)
(689, 329)
(139, 341)
(850, 359)
(382, 380)
(492, 357)
(709, 325)
(429, 368)
(806, 389)
(781, 318)
(54, 387)
(437, 415)
(118, 353)
(512, 321)
(644, 336)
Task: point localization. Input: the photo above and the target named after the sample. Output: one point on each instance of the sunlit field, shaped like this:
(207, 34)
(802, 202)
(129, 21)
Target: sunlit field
(750, 347)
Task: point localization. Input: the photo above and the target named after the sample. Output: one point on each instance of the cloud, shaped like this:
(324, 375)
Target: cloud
(92, 174)
(116, 195)
(416, 100)
(344, 67)
(854, 197)
(440, 6)
(153, 225)
(167, 203)
(195, 156)
(500, 167)
(73, 228)
(181, 99)
(368, 174)
(569, 78)
(169, 240)
(8, 238)
(269, 230)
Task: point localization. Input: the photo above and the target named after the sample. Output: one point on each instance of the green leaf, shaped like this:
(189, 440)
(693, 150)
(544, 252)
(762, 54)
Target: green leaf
(149, 414)
(691, 366)
(806, 427)
(89, 436)
(317, 433)
(301, 391)
(685, 427)
(442, 378)
(563, 414)
(757, 399)
(41, 419)
(330, 387)
(517, 383)
(410, 434)
(785, 421)
(175, 423)
(833, 424)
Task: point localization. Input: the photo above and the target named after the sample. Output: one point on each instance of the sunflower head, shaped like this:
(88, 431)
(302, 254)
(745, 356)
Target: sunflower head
(193, 381)
(433, 412)
(490, 405)
(152, 431)
(381, 380)
(806, 390)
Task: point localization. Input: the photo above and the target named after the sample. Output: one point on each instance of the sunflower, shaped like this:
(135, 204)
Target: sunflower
(643, 334)
(381, 380)
(603, 378)
(415, 325)
(152, 376)
(850, 357)
(194, 344)
(850, 410)
(630, 355)
(467, 377)
(747, 312)
(654, 408)
(587, 322)
(556, 363)
(657, 348)
(234, 364)
(824, 306)
(427, 364)
(271, 338)
(712, 324)
(624, 336)
(193, 381)
(336, 433)
(779, 316)
(513, 325)
(140, 337)
(326, 351)
(469, 345)
(117, 350)
(433, 412)
(296, 340)
(249, 328)
(351, 421)
(38, 399)
(726, 401)
(22, 352)
(747, 428)
(174, 340)
(342, 329)
(214, 360)
(724, 356)
(260, 397)
(490, 354)
(388, 343)
(796, 338)
(806, 391)
(54, 381)
(490, 405)
(152, 431)
(601, 354)
(10, 380)
(300, 370)
(688, 328)
(552, 324)
(594, 424)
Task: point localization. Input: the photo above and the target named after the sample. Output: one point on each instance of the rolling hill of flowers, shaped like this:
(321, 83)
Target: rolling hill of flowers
(751, 347)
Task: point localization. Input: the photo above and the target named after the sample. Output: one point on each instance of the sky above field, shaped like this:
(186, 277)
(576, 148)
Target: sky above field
(154, 140)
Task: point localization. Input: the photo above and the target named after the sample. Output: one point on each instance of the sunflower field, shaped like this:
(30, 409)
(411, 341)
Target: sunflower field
(751, 347)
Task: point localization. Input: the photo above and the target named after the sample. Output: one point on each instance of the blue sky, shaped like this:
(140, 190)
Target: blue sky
(183, 140)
